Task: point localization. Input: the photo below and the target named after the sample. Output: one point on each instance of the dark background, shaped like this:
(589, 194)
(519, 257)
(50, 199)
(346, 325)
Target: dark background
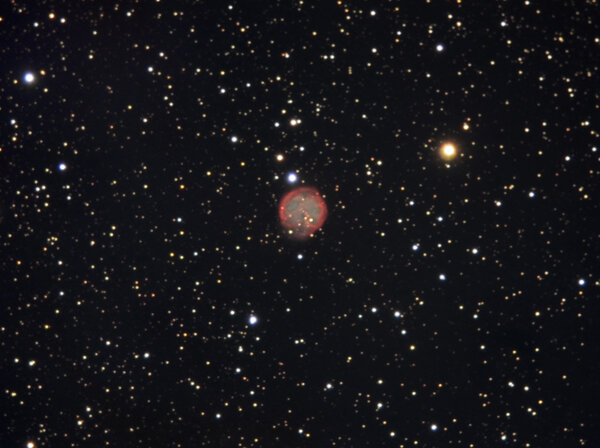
(128, 279)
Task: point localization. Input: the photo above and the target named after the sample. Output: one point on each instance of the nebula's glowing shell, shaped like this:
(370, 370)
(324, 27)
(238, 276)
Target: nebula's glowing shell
(302, 212)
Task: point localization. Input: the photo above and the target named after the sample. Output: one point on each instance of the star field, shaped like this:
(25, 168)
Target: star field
(150, 295)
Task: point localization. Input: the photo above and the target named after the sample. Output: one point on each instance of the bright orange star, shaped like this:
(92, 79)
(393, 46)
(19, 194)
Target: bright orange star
(448, 151)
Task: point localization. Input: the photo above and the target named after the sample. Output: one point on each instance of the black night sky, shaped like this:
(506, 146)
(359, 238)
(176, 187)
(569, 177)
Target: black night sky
(151, 296)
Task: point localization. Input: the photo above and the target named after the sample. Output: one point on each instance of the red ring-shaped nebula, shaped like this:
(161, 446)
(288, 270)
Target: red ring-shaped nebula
(302, 212)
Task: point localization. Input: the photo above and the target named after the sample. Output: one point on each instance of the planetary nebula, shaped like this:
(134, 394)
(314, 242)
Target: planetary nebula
(302, 212)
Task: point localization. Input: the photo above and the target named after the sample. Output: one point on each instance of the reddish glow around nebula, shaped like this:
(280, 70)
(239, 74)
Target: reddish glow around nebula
(302, 212)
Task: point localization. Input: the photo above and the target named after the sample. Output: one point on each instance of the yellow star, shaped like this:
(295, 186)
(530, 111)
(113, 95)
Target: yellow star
(448, 151)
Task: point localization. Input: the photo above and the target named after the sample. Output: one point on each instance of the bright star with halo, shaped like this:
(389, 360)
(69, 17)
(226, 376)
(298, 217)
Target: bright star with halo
(448, 151)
